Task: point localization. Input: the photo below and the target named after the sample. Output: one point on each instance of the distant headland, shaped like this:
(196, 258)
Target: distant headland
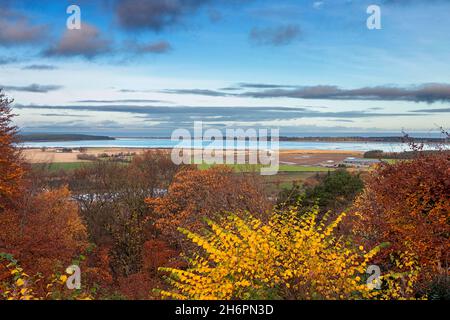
(58, 137)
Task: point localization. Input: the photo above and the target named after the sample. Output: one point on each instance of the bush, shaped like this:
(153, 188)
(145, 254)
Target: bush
(334, 191)
(286, 258)
(373, 154)
(407, 204)
(86, 157)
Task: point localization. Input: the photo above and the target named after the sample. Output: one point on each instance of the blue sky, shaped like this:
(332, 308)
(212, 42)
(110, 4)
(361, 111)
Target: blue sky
(151, 66)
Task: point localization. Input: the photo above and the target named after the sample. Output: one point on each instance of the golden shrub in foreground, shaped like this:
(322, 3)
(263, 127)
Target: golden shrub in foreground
(286, 258)
(16, 284)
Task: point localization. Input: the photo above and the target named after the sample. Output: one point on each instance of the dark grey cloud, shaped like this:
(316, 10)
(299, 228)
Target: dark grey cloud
(245, 85)
(18, 29)
(202, 92)
(275, 36)
(36, 88)
(122, 101)
(132, 91)
(443, 110)
(154, 47)
(214, 15)
(342, 120)
(432, 92)
(40, 67)
(86, 42)
(154, 14)
(75, 125)
(263, 86)
(185, 114)
(230, 89)
(221, 93)
(59, 115)
(7, 60)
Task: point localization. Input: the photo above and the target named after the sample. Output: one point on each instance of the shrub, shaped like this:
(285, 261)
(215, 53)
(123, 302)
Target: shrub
(334, 191)
(407, 204)
(287, 258)
(86, 157)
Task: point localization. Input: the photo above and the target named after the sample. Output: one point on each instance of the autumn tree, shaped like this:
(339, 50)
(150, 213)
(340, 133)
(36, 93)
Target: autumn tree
(111, 198)
(407, 204)
(195, 194)
(11, 169)
(45, 234)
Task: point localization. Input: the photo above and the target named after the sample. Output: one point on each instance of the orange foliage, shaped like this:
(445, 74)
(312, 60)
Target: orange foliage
(407, 204)
(11, 170)
(96, 269)
(195, 194)
(47, 233)
(137, 286)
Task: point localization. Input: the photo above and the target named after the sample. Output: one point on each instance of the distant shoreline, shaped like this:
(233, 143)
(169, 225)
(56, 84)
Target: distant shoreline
(391, 139)
(44, 137)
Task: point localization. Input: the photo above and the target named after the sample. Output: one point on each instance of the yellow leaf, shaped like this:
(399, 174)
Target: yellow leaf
(20, 282)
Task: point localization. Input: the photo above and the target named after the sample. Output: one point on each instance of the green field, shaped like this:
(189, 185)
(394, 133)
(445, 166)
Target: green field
(287, 176)
(393, 161)
(66, 166)
(283, 168)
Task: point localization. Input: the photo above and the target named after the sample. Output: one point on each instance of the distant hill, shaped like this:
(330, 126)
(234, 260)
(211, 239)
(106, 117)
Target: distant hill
(56, 137)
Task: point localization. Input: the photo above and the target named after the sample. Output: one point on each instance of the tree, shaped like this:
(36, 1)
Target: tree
(195, 194)
(45, 234)
(407, 204)
(111, 197)
(11, 167)
(333, 192)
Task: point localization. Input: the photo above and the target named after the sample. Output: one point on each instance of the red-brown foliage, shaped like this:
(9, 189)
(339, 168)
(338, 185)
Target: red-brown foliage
(11, 170)
(46, 233)
(407, 204)
(96, 269)
(157, 253)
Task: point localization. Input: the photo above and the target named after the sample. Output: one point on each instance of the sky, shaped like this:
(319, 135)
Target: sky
(148, 67)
